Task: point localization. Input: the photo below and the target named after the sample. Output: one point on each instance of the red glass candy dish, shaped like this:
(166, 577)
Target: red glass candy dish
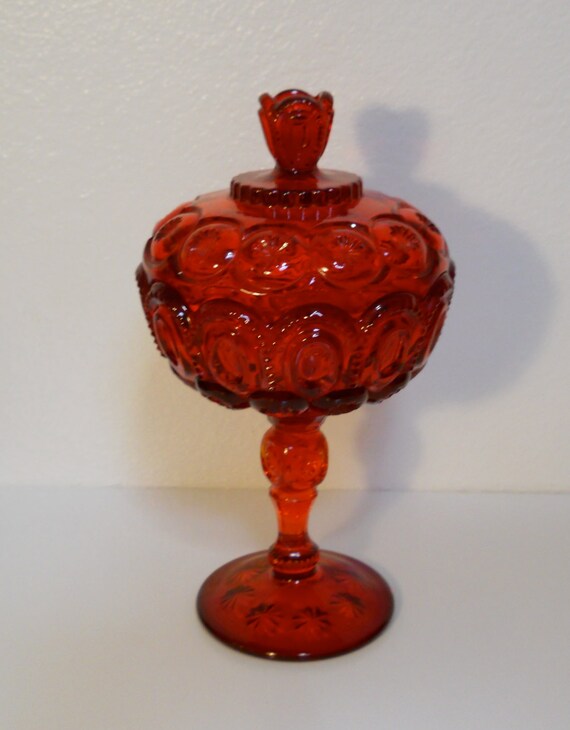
(298, 294)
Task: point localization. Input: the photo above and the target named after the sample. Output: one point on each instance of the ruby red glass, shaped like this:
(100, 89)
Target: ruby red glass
(298, 294)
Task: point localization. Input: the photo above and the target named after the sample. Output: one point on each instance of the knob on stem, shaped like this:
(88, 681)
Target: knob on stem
(296, 126)
(294, 457)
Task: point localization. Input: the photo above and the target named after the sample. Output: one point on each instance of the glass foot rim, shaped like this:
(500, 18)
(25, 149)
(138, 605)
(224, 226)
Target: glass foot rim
(341, 634)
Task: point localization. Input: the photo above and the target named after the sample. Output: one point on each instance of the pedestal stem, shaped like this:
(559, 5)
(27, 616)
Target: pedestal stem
(299, 604)
(294, 456)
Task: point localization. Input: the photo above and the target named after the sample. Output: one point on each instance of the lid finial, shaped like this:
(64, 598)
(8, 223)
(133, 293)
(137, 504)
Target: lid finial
(296, 126)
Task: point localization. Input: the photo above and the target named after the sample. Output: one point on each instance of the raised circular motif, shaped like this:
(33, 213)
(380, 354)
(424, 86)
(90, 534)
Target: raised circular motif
(170, 323)
(313, 350)
(228, 359)
(436, 306)
(315, 367)
(271, 258)
(209, 250)
(346, 256)
(229, 343)
(426, 228)
(171, 234)
(393, 330)
(403, 250)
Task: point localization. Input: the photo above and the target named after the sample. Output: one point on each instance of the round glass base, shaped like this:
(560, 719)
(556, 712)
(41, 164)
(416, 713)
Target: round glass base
(342, 606)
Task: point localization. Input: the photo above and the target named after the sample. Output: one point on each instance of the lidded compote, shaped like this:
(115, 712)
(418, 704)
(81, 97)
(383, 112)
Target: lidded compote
(301, 295)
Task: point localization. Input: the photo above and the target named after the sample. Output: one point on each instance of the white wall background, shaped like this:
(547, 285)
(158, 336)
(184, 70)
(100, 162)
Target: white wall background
(114, 112)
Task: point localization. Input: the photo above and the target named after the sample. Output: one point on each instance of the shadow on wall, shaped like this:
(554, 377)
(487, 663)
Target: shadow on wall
(500, 310)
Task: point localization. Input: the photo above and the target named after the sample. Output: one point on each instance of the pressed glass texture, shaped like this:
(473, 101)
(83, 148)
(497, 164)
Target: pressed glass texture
(300, 295)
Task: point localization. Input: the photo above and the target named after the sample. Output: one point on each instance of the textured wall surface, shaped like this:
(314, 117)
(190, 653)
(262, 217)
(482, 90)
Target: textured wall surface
(112, 113)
